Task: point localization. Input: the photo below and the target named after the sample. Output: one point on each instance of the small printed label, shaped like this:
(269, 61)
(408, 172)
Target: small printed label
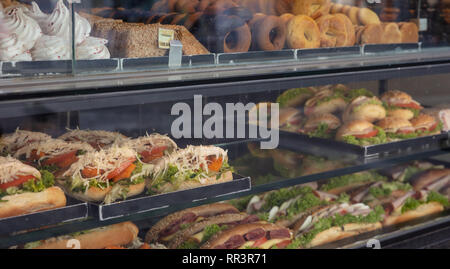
(164, 38)
(423, 24)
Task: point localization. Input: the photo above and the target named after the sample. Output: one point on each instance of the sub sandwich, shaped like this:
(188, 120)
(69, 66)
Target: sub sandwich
(326, 101)
(191, 167)
(53, 155)
(10, 143)
(23, 189)
(295, 97)
(151, 147)
(364, 108)
(322, 125)
(361, 132)
(346, 183)
(97, 139)
(401, 104)
(258, 235)
(106, 175)
(121, 235)
(177, 223)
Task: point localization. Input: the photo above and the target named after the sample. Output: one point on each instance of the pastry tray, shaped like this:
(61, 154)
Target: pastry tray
(74, 210)
(144, 203)
(403, 147)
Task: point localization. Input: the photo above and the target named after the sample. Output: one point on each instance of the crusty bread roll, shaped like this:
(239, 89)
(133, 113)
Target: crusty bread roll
(336, 8)
(393, 124)
(332, 31)
(361, 108)
(401, 113)
(353, 15)
(355, 126)
(391, 34)
(421, 211)
(349, 29)
(100, 238)
(30, 202)
(372, 34)
(409, 32)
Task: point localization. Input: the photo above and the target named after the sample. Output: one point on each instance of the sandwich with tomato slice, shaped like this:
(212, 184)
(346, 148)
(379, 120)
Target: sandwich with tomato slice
(97, 139)
(53, 155)
(10, 143)
(116, 236)
(425, 124)
(326, 101)
(105, 175)
(151, 147)
(364, 108)
(191, 167)
(257, 235)
(23, 189)
(175, 224)
(400, 104)
(322, 125)
(397, 128)
(401, 202)
(361, 132)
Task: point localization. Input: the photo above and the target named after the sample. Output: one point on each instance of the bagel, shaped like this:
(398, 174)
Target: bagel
(350, 30)
(332, 31)
(367, 16)
(219, 7)
(345, 9)
(312, 8)
(255, 19)
(283, 6)
(237, 40)
(269, 34)
(186, 6)
(372, 34)
(303, 33)
(391, 34)
(409, 31)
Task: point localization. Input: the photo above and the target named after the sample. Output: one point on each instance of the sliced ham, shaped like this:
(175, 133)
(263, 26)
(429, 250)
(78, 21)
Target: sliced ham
(276, 234)
(234, 242)
(400, 201)
(359, 196)
(439, 184)
(255, 234)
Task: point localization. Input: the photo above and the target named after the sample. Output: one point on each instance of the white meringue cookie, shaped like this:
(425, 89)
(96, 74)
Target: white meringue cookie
(26, 29)
(93, 48)
(35, 12)
(13, 49)
(59, 23)
(51, 48)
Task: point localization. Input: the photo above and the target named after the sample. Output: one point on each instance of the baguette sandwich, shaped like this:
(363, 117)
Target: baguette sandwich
(105, 175)
(172, 225)
(23, 189)
(401, 104)
(151, 147)
(10, 143)
(109, 237)
(97, 139)
(192, 167)
(326, 101)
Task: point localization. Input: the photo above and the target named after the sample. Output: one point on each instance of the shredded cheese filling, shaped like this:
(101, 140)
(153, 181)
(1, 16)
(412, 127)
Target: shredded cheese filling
(18, 139)
(10, 168)
(52, 147)
(90, 136)
(150, 141)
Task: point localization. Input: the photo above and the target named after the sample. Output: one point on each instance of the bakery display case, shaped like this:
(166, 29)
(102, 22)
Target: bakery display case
(224, 124)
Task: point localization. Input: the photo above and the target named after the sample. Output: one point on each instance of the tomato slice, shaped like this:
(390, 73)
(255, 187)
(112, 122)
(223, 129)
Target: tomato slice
(60, 158)
(67, 162)
(410, 105)
(34, 156)
(259, 242)
(283, 244)
(17, 182)
(121, 168)
(368, 135)
(153, 154)
(125, 174)
(215, 164)
(90, 172)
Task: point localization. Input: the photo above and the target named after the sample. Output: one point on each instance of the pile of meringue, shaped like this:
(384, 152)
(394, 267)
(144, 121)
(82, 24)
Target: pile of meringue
(28, 34)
